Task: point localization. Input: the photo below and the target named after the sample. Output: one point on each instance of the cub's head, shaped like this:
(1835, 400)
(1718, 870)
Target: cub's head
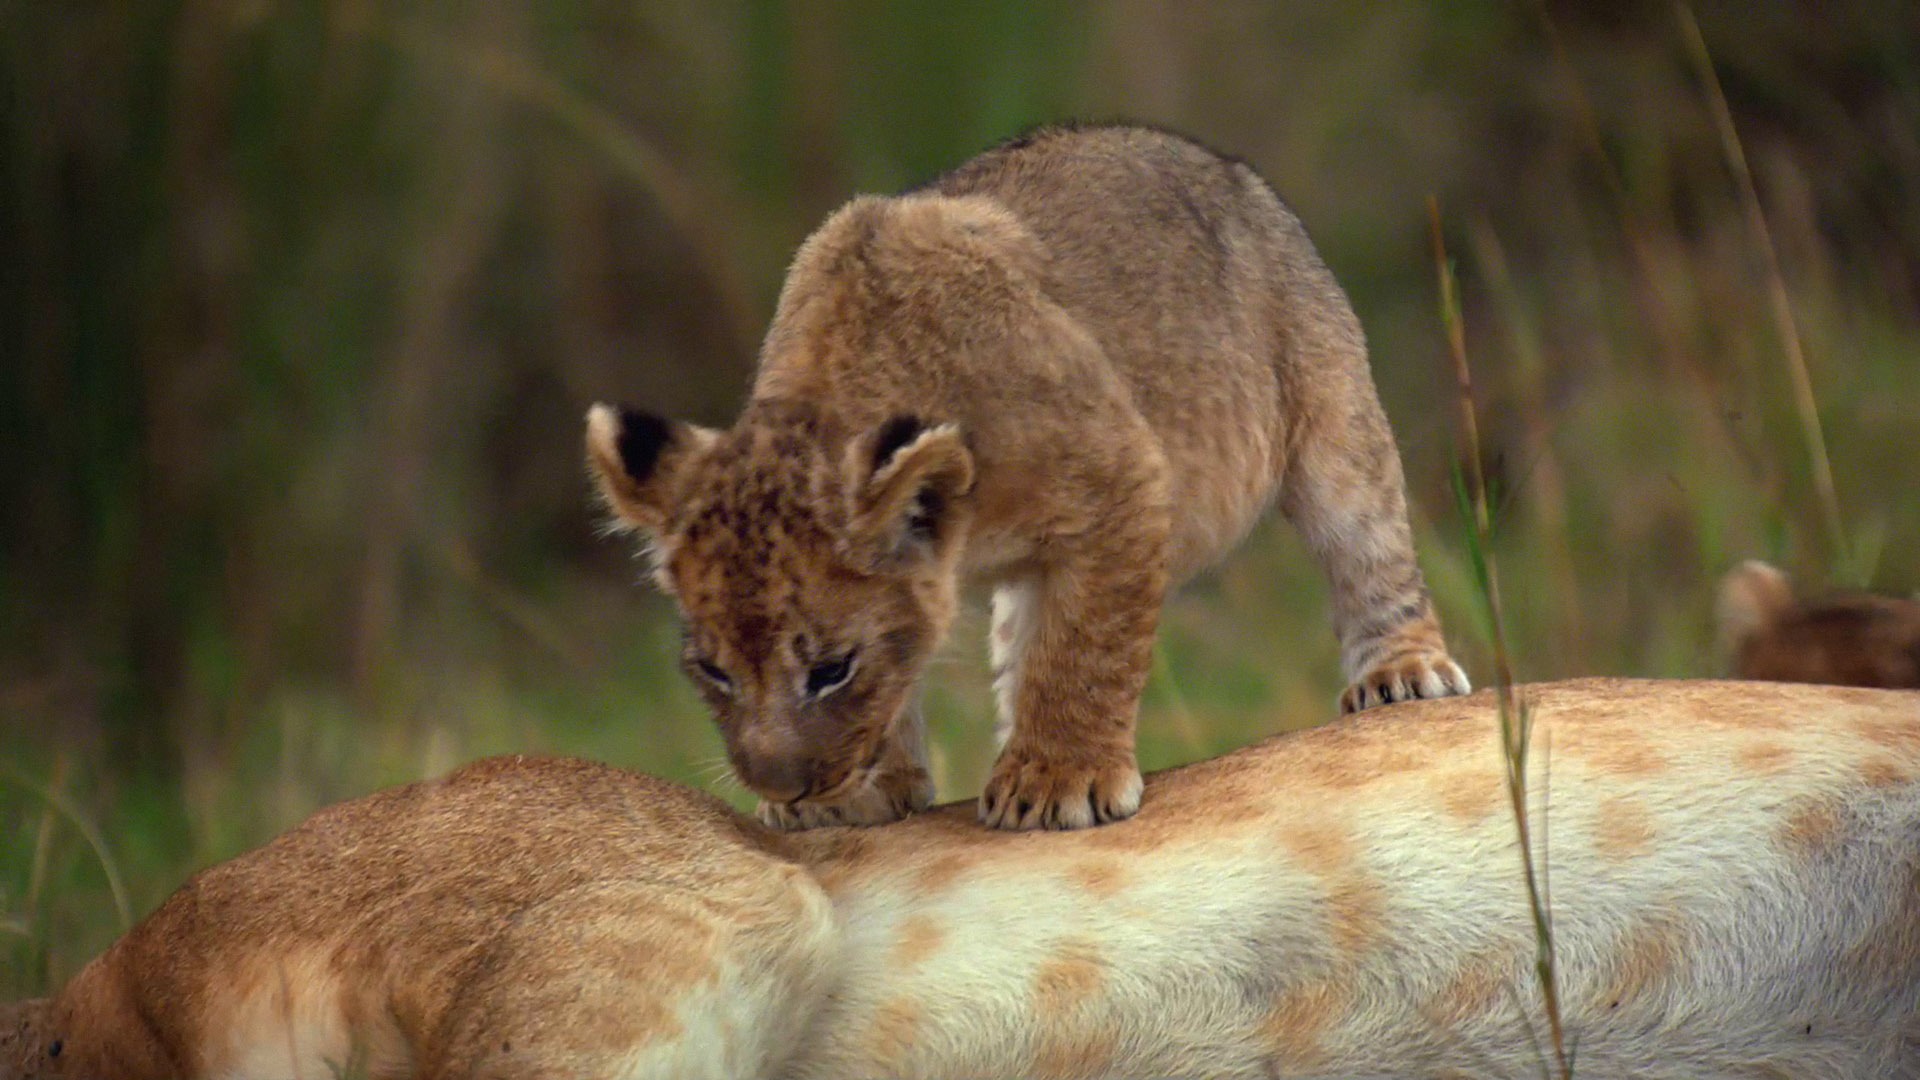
(1854, 639)
(816, 569)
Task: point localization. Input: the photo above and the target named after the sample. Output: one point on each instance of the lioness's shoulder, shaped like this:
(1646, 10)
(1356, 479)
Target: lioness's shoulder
(582, 808)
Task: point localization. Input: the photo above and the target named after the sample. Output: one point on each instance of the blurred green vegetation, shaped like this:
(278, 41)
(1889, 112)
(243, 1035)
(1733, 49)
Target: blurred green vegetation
(304, 302)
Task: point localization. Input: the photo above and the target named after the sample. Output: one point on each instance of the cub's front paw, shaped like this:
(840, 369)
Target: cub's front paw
(1412, 675)
(1030, 791)
(888, 795)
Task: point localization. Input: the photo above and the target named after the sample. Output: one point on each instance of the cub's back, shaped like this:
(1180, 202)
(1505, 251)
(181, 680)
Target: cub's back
(1204, 292)
(1142, 224)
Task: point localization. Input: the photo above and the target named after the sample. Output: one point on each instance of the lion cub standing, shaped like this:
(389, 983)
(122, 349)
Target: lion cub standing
(1078, 368)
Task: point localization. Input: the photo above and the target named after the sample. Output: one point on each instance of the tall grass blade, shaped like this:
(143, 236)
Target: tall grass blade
(1778, 300)
(66, 809)
(677, 194)
(1516, 715)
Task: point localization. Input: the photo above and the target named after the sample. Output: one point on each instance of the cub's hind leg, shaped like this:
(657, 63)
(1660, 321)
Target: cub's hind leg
(636, 980)
(1345, 492)
(1016, 603)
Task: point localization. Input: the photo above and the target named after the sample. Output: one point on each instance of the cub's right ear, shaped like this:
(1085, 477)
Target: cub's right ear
(1752, 597)
(905, 479)
(637, 460)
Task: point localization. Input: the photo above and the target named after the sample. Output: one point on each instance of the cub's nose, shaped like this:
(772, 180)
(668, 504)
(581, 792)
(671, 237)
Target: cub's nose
(772, 763)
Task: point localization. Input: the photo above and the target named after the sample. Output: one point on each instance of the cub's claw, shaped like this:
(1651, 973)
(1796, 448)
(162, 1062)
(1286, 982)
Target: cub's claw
(1421, 675)
(1028, 791)
(887, 796)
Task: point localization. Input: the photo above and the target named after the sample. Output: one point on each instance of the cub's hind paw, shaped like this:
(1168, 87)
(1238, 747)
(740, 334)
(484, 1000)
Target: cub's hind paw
(1029, 791)
(1419, 675)
(888, 796)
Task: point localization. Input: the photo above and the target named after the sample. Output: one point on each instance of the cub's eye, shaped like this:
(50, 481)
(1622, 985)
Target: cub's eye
(711, 672)
(825, 678)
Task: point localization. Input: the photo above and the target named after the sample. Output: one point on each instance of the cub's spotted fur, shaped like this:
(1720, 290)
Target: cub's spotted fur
(1853, 639)
(1077, 368)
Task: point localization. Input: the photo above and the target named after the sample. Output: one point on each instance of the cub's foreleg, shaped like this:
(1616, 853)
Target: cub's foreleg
(1072, 647)
(1345, 491)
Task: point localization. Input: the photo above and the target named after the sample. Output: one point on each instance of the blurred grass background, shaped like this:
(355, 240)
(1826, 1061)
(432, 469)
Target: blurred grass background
(303, 302)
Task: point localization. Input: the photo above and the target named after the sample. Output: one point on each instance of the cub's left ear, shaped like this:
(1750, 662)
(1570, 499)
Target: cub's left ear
(638, 460)
(905, 479)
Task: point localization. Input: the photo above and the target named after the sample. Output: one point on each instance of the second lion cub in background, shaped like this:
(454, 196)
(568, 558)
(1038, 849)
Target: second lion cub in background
(1079, 367)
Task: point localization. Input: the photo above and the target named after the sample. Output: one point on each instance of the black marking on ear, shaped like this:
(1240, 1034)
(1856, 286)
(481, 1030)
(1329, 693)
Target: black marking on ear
(896, 433)
(642, 437)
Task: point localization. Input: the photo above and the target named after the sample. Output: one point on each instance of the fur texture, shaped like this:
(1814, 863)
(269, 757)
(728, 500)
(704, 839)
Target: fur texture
(1849, 639)
(1733, 871)
(1078, 369)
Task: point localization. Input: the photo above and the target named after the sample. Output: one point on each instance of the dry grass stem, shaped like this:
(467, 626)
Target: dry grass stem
(57, 800)
(1778, 301)
(1516, 718)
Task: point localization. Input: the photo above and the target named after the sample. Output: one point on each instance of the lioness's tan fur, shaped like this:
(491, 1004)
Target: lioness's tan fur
(1733, 873)
(1077, 368)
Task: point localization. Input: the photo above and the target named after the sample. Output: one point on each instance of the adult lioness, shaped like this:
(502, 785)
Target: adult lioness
(1078, 368)
(1732, 865)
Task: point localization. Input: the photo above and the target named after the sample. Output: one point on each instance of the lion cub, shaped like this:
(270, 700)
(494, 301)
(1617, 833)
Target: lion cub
(1077, 368)
(1851, 639)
